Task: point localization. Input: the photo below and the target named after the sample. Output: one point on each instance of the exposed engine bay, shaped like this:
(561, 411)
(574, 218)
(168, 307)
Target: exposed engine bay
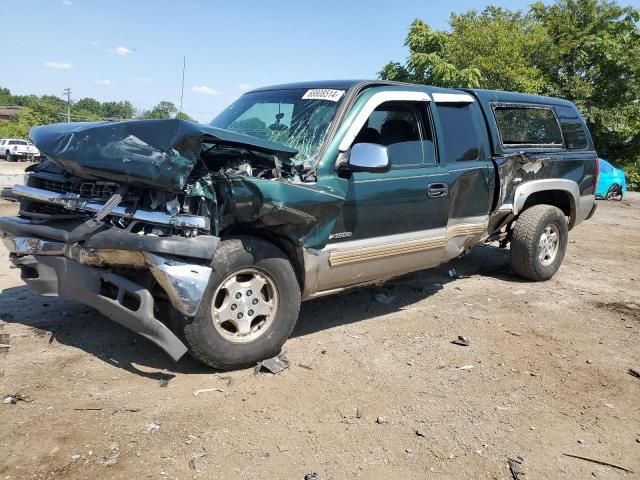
(205, 194)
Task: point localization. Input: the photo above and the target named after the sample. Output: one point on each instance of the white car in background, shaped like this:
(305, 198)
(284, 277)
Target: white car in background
(14, 149)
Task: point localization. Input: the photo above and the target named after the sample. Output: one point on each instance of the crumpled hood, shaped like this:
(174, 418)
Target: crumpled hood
(156, 153)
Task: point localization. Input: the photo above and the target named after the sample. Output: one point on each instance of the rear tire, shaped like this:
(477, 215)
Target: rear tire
(539, 242)
(233, 332)
(614, 191)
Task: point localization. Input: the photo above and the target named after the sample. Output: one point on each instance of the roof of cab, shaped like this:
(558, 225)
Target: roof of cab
(502, 96)
(484, 96)
(336, 84)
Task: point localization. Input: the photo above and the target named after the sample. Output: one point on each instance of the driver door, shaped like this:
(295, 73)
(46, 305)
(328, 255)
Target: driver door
(392, 222)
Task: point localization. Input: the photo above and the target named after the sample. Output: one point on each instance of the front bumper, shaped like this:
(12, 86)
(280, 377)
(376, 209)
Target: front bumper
(131, 306)
(54, 263)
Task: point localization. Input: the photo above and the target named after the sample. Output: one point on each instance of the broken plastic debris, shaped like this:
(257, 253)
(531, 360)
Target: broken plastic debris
(111, 460)
(273, 365)
(153, 426)
(384, 298)
(462, 341)
(466, 367)
(453, 273)
(14, 398)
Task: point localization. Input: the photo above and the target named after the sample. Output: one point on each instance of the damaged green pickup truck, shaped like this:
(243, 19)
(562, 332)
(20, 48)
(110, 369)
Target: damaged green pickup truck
(207, 238)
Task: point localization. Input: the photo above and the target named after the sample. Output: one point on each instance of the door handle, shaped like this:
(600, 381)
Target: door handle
(437, 190)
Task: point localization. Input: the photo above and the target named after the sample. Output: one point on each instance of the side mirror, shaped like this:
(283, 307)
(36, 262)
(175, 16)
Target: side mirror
(368, 157)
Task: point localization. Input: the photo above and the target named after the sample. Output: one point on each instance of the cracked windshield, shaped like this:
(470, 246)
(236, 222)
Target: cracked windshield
(297, 118)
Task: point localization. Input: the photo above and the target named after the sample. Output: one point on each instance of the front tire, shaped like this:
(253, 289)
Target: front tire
(8, 157)
(249, 308)
(539, 242)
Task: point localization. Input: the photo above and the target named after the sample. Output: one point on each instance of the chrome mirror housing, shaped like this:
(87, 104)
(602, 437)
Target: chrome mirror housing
(368, 157)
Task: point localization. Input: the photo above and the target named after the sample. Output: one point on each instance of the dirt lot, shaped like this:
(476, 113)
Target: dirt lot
(546, 373)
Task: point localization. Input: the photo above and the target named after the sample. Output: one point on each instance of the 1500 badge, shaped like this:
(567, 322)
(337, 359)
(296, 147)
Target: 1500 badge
(338, 235)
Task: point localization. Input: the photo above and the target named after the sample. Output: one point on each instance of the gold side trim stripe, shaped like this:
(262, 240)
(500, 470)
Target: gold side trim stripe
(411, 246)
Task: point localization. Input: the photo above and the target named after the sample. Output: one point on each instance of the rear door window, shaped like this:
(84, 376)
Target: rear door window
(523, 125)
(458, 131)
(573, 130)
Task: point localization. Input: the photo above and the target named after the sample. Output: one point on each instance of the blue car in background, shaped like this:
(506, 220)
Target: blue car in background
(612, 184)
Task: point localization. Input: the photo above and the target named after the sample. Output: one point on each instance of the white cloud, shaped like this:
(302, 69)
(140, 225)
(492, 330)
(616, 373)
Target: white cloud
(103, 82)
(58, 65)
(122, 51)
(205, 90)
(140, 79)
(67, 3)
(243, 87)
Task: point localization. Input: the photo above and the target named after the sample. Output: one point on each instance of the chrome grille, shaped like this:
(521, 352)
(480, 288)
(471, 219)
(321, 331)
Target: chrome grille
(90, 190)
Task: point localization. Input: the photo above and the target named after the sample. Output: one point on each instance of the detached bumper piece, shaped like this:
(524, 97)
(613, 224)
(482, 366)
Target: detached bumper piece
(119, 299)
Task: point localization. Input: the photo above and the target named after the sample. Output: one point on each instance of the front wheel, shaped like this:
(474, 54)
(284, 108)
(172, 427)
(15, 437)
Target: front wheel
(539, 242)
(249, 307)
(8, 157)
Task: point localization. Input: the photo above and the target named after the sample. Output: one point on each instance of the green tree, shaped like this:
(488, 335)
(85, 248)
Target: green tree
(587, 51)
(117, 110)
(591, 56)
(162, 111)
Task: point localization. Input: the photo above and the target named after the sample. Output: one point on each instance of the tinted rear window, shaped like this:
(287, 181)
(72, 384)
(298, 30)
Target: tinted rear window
(520, 125)
(17, 142)
(458, 131)
(572, 128)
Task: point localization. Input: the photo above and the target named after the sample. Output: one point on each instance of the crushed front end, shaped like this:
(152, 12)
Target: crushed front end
(125, 251)
(125, 217)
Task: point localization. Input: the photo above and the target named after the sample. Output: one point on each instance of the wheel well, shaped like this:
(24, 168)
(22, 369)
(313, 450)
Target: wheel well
(557, 198)
(283, 243)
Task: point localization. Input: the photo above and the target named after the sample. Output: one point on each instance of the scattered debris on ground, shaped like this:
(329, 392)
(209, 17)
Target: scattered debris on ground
(462, 341)
(164, 381)
(153, 427)
(453, 273)
(634, 373)
(273, 365)
(14, 398)
(599, 462)
(206, 390)
(515, 467)
(194, 460)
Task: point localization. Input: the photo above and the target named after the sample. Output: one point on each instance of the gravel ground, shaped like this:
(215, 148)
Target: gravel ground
(375, 390)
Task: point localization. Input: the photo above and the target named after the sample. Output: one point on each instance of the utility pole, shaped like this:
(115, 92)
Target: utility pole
(184, 67)
(67, 92)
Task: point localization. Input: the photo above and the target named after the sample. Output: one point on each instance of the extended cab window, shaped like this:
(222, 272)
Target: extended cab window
(459, 131)
(572, 128)
(528, 126)
(404, 128)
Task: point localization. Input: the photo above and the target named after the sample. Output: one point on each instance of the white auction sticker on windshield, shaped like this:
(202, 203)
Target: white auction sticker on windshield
(323, 94)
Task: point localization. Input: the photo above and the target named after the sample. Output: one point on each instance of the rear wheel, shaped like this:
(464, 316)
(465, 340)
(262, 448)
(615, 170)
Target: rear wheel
(538, 242)
(249, 308)
(614, 192)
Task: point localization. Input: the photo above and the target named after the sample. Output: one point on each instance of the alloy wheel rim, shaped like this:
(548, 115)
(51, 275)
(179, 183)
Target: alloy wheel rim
(244, 305)
(548, 245)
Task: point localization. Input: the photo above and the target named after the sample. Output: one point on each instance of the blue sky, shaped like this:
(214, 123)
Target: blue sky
(132, 50)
